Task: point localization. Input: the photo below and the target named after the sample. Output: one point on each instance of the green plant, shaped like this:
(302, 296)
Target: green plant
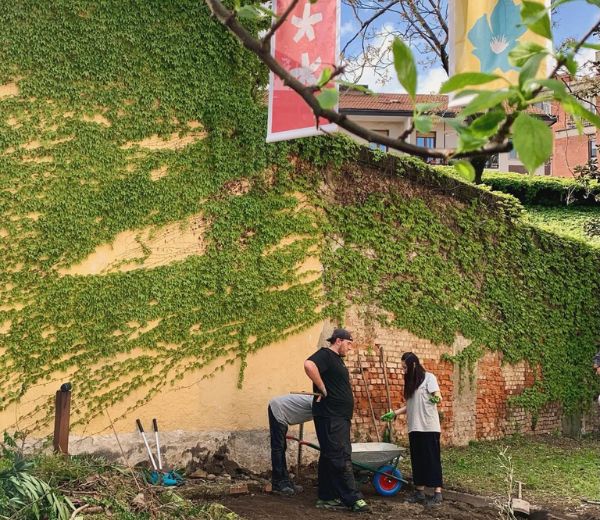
(25, 496)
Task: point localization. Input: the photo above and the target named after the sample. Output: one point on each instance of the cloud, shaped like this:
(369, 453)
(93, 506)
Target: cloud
(348, 28)
(380, 75)
(431, 80)
(583, 59)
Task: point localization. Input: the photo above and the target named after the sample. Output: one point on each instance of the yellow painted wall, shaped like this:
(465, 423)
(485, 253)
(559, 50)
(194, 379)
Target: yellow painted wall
(197, 402)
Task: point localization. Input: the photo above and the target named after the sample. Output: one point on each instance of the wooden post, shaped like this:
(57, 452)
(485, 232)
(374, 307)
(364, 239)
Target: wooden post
(62, 420)
(299, 463)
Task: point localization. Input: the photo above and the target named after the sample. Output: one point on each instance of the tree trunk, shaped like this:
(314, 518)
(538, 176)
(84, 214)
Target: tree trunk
(479, 164)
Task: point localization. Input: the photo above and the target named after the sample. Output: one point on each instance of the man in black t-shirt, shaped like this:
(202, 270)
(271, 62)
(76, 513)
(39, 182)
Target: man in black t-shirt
(332, 414)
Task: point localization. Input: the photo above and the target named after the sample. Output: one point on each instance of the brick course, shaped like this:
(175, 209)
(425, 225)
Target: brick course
(477, 411)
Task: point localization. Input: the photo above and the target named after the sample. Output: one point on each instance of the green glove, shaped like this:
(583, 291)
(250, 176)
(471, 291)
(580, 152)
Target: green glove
(435, 399)
(390, 416)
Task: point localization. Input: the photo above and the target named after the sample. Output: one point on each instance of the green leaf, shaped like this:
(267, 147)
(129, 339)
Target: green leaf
(484, 101)
(404, 63)
(423, 124)
(325, 77)
(558, 87)
(575, 108)
(530, 69)
(467, 78)
(523, 52)
(532, 140)
(535, 17)
(426, 107)
(595, 46)
(354, 86)
(465, 170)
(248, 12)
(467, 142)
(328, 97)
(571, 65)
(487, 124)
(266, 11)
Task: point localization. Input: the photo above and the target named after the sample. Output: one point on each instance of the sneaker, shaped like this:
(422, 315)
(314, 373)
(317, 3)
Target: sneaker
(360, 506)
(418, 497)
(286, 489)
(435, 500)
(330, 504)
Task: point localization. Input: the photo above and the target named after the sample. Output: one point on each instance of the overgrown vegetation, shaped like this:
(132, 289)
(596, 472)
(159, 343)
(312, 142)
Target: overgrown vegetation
(90, 83)
(47, 487)
(553, 469)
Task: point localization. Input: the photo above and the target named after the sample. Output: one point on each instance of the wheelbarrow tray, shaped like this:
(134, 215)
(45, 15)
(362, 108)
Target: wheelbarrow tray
(375, 454)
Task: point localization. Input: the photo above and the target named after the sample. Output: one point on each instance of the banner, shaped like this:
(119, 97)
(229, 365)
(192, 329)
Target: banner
(305, 44)
(483, 32)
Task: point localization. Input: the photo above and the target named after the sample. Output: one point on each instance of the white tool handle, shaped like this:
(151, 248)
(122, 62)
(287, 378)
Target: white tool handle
(157, 443)
(139, 424)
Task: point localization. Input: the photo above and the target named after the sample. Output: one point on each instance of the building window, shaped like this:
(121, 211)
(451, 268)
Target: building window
(513, 153)
(426, 140)
(382, 147)
(593, 150)
(493, 162)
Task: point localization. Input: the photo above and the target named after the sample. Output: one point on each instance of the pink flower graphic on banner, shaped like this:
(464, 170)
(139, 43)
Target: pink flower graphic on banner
(305, 24)
(306, 72)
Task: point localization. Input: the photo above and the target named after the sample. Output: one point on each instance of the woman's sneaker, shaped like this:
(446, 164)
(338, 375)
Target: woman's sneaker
(360, 506)
(418, 497)
(435, 500)
(330, 504)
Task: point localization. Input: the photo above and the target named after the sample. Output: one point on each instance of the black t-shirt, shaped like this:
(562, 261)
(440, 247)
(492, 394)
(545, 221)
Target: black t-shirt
(339, 401)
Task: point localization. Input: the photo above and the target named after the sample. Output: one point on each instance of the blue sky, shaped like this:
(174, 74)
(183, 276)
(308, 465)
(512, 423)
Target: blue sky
(572, 20)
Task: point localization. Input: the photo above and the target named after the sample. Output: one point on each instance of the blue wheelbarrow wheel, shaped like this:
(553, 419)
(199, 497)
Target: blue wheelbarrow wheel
(387, 486)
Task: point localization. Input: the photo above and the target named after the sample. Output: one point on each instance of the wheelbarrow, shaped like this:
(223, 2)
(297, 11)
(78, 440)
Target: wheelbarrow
(377, 459)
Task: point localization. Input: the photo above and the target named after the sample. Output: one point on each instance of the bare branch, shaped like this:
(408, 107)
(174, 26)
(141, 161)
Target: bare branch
(366, 23)
(307, 93)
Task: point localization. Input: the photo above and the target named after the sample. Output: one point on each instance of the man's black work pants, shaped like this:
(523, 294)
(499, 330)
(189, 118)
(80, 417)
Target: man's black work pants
(278, 447)
(336, 479)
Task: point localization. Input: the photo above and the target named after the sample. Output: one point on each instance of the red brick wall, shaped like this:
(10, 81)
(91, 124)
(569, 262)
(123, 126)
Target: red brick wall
(570, 148)
(469, 411)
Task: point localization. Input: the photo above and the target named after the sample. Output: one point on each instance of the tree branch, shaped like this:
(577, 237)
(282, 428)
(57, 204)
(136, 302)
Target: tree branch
(307, 94)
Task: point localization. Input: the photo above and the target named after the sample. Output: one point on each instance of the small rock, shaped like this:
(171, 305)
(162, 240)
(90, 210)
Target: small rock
(210, 476)
(268, 488)
(199, 473)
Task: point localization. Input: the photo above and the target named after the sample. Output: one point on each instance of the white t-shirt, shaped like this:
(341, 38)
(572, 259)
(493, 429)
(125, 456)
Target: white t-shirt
(422, 414)
(292, 408)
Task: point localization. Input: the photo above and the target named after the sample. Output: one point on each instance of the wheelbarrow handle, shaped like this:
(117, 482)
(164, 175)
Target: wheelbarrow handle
(303, 443)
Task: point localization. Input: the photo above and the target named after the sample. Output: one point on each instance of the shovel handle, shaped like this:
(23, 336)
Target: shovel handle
(154, 425)
(139, 425)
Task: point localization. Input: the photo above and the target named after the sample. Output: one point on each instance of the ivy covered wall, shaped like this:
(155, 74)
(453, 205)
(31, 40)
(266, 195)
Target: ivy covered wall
(131, 116)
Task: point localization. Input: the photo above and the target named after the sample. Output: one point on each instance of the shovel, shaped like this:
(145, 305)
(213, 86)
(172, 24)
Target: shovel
(518, 504)
(158, 476)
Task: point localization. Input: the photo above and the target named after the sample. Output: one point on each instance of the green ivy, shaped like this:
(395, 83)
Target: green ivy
(433, 254)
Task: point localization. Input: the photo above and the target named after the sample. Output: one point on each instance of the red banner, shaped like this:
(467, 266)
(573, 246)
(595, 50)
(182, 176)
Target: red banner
(305, 44)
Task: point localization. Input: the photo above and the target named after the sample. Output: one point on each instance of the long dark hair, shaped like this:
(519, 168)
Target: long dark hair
(414, 375)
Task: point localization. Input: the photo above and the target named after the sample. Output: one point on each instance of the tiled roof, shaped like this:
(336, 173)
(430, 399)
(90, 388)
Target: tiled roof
(401, 103)
(386, 102)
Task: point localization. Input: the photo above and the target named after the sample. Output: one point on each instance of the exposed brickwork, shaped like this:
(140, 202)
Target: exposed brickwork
(570, 148)
(469, 411)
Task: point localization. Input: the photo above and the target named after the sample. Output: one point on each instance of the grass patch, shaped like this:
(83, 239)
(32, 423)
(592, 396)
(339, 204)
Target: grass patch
(553, 468)
(564, 220)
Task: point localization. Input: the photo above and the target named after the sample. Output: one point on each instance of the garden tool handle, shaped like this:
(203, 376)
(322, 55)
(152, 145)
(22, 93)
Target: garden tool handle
(139, 425)
(154, 425)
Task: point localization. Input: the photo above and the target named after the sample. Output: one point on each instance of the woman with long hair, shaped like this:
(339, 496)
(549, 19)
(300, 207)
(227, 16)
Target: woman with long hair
(422, 395)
